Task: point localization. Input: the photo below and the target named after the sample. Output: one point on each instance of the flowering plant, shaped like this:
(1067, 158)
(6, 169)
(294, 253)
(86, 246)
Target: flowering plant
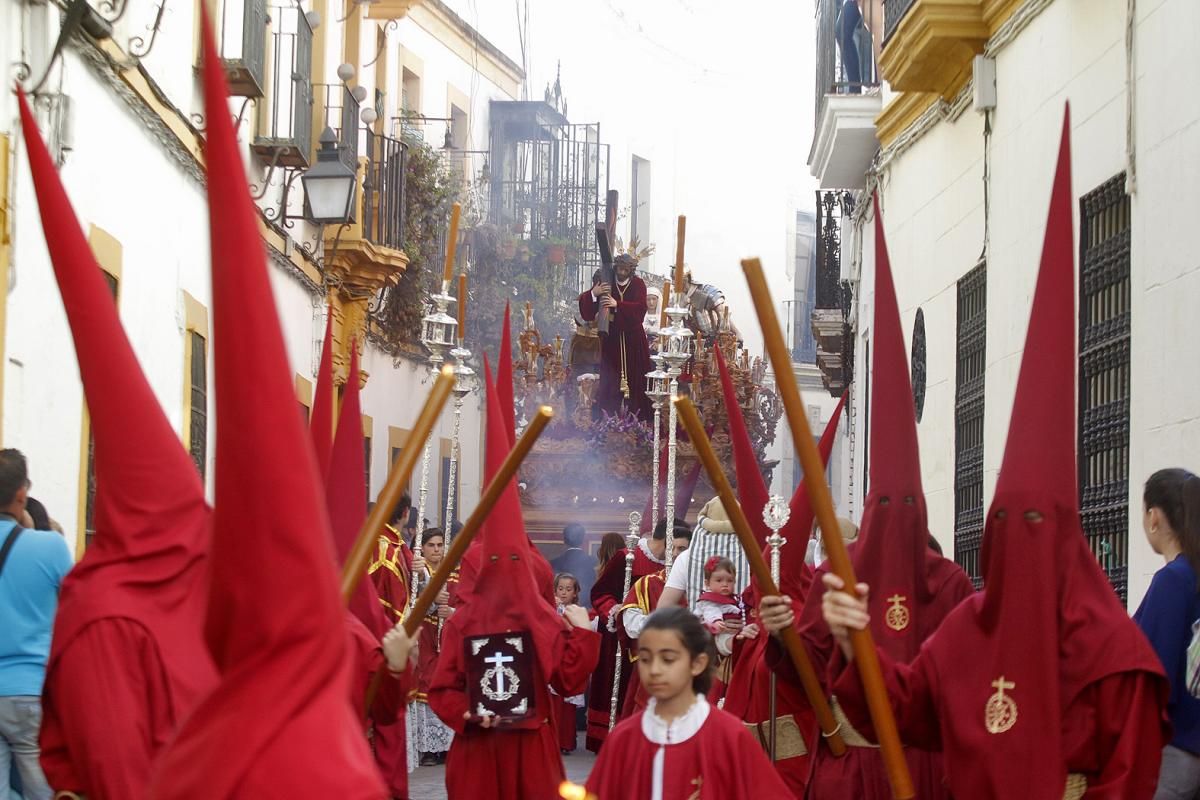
(625, 425)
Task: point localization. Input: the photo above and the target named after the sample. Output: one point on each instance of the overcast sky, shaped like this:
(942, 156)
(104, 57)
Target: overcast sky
(726, 88)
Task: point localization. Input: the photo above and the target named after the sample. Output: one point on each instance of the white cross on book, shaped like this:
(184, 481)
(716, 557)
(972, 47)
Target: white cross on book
(498, 660)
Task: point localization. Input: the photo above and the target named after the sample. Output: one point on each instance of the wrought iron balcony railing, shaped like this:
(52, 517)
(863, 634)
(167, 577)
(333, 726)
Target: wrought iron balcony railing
(285, 124)
(893, 12)
(243, 45)
(340, 111)
(383, 191)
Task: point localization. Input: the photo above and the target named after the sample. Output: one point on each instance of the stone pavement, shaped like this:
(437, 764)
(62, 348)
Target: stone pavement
(429, 783)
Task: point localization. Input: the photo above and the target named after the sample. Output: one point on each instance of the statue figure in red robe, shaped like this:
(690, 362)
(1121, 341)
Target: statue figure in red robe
(625, 351)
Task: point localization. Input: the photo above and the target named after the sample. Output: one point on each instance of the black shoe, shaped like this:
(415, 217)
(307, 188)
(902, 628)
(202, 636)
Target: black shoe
(429, 760)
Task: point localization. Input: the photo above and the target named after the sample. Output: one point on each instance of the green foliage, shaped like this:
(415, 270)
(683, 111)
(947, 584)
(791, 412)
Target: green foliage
(429, 191)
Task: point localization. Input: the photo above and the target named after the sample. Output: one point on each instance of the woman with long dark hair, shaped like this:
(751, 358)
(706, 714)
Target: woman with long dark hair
(1172, 524)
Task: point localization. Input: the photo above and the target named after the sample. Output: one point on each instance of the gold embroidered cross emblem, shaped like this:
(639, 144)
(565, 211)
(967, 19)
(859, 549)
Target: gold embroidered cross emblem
(1000, 713)
(897, 617)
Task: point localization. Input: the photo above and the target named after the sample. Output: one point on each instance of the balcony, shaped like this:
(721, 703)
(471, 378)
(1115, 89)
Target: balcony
(845, 141)
(830, 316)
(243, 37)
(383, 191)
(929, 44)
(847, 95)
(285, 118)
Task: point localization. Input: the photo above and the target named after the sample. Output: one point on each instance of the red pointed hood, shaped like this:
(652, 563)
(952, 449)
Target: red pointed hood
(751, 488)
(323, 405)
(505, 596)
(892, 554)
(1048, 621)
(148, 560)
(276, 626)
(504, 379)
(346, 496)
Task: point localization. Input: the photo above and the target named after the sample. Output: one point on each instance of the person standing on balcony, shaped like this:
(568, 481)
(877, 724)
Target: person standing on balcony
(849, 20)
(625, 351)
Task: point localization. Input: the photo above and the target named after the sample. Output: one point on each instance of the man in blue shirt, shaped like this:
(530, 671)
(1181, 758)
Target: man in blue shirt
(30, 577)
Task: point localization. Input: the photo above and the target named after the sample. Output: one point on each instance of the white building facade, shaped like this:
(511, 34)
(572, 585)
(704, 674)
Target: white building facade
(122, 110)
(961, 152)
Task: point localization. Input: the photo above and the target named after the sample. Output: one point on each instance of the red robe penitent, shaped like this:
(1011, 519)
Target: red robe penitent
(608, 594)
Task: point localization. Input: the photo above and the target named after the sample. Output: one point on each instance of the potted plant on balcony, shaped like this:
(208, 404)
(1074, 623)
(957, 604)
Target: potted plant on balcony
(508, 247)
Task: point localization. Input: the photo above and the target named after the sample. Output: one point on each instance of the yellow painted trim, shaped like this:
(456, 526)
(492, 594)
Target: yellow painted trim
(108, 254)
(195, 320)
(320, 36)
(410, 62)
(195, 315)
(352, 32)
(906, 107)
(397, 437)
(5, 244)
(931, 44)
(900, 113)
(457, 97)
(382, 72)
(433, 17)
(368, 426)
(998, 12)
(304, 391)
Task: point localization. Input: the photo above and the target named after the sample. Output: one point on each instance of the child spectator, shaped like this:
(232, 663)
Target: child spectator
(680, 743)
(719, 608)
(566, 594)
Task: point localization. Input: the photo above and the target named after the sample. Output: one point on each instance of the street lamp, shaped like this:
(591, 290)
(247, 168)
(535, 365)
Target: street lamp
(329, 184)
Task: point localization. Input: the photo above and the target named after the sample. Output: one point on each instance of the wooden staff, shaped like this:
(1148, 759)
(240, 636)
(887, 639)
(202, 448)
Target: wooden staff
(680, 236)
(356, 563)
(762, 574)
(818, 493)
(490, 495)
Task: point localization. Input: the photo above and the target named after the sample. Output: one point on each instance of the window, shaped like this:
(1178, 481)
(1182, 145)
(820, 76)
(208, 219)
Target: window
(285, 115)
(109, 256)
(89, 524)
(304, 397)
(968, 421)
(1104, 342)
(410, 91)
(198, 401)
(639, 224)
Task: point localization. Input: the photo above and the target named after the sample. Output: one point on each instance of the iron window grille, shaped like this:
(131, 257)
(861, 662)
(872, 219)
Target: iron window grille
(1104, 376)
(198, 387)
(971, 365)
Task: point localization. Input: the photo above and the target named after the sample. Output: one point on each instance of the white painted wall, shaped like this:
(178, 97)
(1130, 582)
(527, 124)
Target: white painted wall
(121, 179)
(932, 198)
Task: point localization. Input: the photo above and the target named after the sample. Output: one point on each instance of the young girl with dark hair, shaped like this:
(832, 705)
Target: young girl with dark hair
(1172, 524)
(680, 747)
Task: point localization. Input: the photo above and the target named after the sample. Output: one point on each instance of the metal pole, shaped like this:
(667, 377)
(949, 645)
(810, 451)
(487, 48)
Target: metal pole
(654, 485)
(672, 447)
(631, 539)
(775, 514)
